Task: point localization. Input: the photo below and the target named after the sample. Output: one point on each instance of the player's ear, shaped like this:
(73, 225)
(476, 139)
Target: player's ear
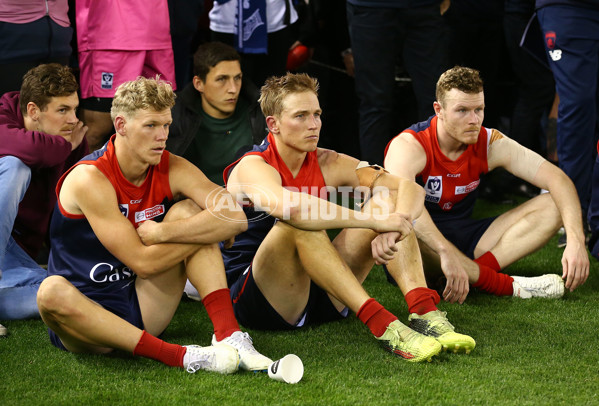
(273, 125)
(33, 111)
(198, 84)
(120, 125)
(437, 107)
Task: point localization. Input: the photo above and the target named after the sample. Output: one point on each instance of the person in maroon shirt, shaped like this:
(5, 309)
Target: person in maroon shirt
(40, 137)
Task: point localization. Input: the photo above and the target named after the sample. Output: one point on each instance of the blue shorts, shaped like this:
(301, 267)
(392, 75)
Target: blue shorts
(122, 302)
(464, 233)
(253, 310)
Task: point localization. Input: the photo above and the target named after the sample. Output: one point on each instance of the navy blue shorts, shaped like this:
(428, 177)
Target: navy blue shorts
(253, 310)
(464, 233)
(122, 302)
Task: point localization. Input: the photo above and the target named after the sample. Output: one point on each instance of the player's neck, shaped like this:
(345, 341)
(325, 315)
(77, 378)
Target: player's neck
(293, 158)
(450, 146)
(133, 169)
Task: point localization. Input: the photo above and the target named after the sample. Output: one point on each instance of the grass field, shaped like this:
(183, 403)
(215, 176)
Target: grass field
(529, 352)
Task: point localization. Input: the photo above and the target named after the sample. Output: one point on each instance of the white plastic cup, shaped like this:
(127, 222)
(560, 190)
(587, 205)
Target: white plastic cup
(288, 369)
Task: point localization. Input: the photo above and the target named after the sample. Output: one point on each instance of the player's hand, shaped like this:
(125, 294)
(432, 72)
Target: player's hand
(149, 232)
(384, 247)
(228, 243)
(76, 137)
(457, 286)
(575, 265)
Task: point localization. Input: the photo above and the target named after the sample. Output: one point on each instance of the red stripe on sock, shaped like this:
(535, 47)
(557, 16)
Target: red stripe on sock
(220, 310)
(422, 300)
(159, 350)
(375, 316)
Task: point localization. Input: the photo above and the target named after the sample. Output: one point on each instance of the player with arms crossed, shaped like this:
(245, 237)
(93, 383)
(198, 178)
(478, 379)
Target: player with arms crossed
(448, 153)
(112, 287)
(284, 272)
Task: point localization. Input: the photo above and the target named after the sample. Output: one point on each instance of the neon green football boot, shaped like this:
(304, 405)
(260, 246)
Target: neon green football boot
(435, 324)
(404, 342)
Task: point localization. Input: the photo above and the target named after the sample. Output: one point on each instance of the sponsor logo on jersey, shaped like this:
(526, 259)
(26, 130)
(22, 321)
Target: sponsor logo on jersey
(433, 189)
(447, 206)
(150, 213)
(135, 201)
(107, 79)
(460, 190)
(453, 175)
(104, 272)
(124, 208)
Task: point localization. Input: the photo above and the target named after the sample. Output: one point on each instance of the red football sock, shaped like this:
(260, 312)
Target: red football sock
(375, 316)
(499, 284)
(422, 300)
(154, 348)
(488, 259)
(220, 310)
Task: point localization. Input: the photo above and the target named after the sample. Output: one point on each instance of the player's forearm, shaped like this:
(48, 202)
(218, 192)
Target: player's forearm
(428, 233)
(155, 259)
(207, 227)
(312, 213)
(563, 192)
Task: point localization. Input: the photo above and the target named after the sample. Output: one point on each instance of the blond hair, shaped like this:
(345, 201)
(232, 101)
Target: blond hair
(464, 79)
(276, 89)
(142, 94)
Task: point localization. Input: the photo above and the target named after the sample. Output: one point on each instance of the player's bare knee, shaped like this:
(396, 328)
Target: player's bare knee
(54, 295)
(382, 199)
(311, 238)
(551, 214)
(182, 210)
(292, 233)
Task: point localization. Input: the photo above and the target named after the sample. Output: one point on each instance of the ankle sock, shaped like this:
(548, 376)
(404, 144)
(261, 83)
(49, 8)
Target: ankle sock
(488, 259)
(499, 284)
(375, 316)
(159, 350)
(220, 310)
(422, 300)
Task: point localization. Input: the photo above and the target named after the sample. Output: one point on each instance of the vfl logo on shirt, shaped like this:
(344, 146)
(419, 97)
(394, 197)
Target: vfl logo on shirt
(124, 208)
(107, 78)
(150, 213)
(433, 189)
(461, 190)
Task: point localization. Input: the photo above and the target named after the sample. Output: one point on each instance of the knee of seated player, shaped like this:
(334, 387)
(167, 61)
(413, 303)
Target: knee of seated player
(308, 235)
(383, 200)
(286, 234)
(551, 214)
(56, 296)
(182, 210)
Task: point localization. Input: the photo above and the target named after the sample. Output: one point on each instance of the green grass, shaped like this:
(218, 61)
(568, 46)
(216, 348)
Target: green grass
(529, 352)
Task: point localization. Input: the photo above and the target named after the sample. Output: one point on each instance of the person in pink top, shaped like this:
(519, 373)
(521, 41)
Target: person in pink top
(32, 32)
(118, 41)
